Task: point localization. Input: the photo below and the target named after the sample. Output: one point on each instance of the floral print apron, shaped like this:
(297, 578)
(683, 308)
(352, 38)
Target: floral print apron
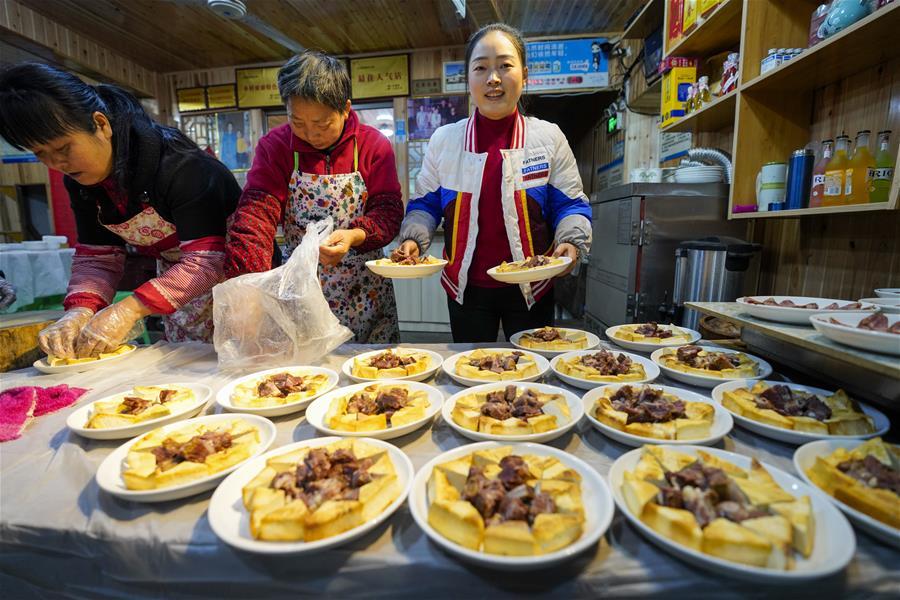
(361, 300)
(194, 320)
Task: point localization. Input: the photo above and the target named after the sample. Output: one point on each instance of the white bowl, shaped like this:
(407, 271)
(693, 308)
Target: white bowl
(805, 458)
(406, 271)
(576, 410)
(708, 381)
(650, 346)
(449, 366)
(592, 341)
(882, 424)
(651, 370)
(531, 275)
(595, 496)
(721, 425)
(223, 397)
(887, 292)
(231, 522)
(77, 420)
(833, 547)
(794, 316)
(850, 335)
(887, 305)
(43, 366)
(109, 474)
(315, 412)
(435, 361)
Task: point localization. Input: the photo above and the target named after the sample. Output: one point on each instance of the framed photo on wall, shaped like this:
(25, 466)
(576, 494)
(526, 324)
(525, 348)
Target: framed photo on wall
(454, 77)
(425, 115)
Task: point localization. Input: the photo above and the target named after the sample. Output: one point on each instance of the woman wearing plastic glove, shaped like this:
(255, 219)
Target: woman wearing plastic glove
(507, 187)
(130, 181)
(324, 163)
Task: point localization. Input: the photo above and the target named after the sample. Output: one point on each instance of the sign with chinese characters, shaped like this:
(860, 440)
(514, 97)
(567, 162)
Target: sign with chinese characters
(221, 96)
(567, 64)
(379, 76)
(423, 87)
(673, 145)
(257, 88)
(191, 99)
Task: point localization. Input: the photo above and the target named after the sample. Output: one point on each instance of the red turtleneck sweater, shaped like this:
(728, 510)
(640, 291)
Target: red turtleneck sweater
(491, 245)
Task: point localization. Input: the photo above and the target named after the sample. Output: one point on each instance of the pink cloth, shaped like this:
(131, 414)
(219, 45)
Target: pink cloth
(16, 411)
(52, 399)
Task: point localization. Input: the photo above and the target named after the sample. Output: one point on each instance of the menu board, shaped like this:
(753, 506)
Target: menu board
(257, 88)
(221, 96)
(191, 99)
(567, 64)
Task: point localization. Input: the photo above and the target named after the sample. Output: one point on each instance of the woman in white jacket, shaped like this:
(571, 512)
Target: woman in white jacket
(506, 187)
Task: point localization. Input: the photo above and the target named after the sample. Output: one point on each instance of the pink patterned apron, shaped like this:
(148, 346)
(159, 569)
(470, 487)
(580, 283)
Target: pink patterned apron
(361, 300)
(194, 320)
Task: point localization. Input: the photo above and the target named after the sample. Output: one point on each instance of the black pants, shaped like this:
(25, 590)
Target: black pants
(478, 318)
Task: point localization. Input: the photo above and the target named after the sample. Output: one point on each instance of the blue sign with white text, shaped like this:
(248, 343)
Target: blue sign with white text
(567, 64)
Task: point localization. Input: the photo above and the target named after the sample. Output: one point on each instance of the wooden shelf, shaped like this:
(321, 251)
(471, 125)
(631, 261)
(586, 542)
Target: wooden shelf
(648, 20)
(649, 99)
(720, 30)
(712, 117)
(864, 44)
(820, 210)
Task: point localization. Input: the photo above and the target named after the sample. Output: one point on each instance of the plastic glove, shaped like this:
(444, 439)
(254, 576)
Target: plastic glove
(7, 294)
(111, 327)
(566, 249)
(58, 339)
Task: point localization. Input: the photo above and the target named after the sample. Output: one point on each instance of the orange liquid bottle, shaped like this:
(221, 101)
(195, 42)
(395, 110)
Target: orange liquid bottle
(817, 191)
(834, 173)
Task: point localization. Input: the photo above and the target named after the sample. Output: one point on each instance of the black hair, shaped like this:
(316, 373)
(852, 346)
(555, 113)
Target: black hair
(39, 103)
(517, 40)
(316, 76)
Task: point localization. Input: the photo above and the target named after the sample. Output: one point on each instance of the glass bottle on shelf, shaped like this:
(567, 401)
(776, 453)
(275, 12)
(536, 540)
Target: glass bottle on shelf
(818, 178)
(703, 95)
(856, 184)
(690, 104)
(834, 173)
(883, 173)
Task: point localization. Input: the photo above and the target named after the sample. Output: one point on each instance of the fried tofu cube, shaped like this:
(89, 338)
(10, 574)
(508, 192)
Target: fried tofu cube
(468, 418)
(440, 488)
(606, 414)
(407, 415)
(714, 461)
(677, 524)
(878, 503)
(637, 493)
(699, 410)
(510, 538)
(371, 422)
(691, 429)
(283, 524)
(857, 424)
(482, 458)
(777, 529)
(457, 471)
(378, 494)
(566, 495)
(810, 425)
(555, 469)
(542, 423)
(803, 523)
(659, 431)
(728, 540)
(670, 460)
(555, 531)
(263, 479)
(458, 521)
(333, 517)
(648, 468)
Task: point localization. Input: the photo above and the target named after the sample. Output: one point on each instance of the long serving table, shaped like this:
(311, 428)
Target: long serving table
(60, 534)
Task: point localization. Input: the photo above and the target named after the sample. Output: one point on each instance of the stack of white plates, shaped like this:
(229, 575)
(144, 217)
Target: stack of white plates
(706, 174)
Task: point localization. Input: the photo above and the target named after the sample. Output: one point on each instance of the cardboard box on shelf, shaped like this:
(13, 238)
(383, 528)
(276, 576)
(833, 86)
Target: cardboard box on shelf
(676, 10)
(707, 6)
(689, 16)
(678, 76)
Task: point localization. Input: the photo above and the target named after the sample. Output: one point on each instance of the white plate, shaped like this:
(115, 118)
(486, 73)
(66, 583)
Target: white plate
(651, 370)
(434, 364)
(888, 305)
(406, 271)
(887, 292)
(315, 413)
(708, 381)
(449, 366)
(595, 496)
(531, 275)
(43, 366)
(231, 521)
(650, 346)
(794, 316)
(691, 178)
(805, 458)
(592, 341)
(223, 397)
(850, 335)
(882, 424)
(721, 425)
(833, 547)
(576, 410)
(109, 474)
(78, 419)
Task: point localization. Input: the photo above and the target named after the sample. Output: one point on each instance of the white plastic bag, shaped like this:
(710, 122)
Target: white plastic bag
(279, 317)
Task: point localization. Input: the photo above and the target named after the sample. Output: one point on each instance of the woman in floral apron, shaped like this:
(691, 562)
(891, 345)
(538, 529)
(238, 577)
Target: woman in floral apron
(324, 163)
(132, 182)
